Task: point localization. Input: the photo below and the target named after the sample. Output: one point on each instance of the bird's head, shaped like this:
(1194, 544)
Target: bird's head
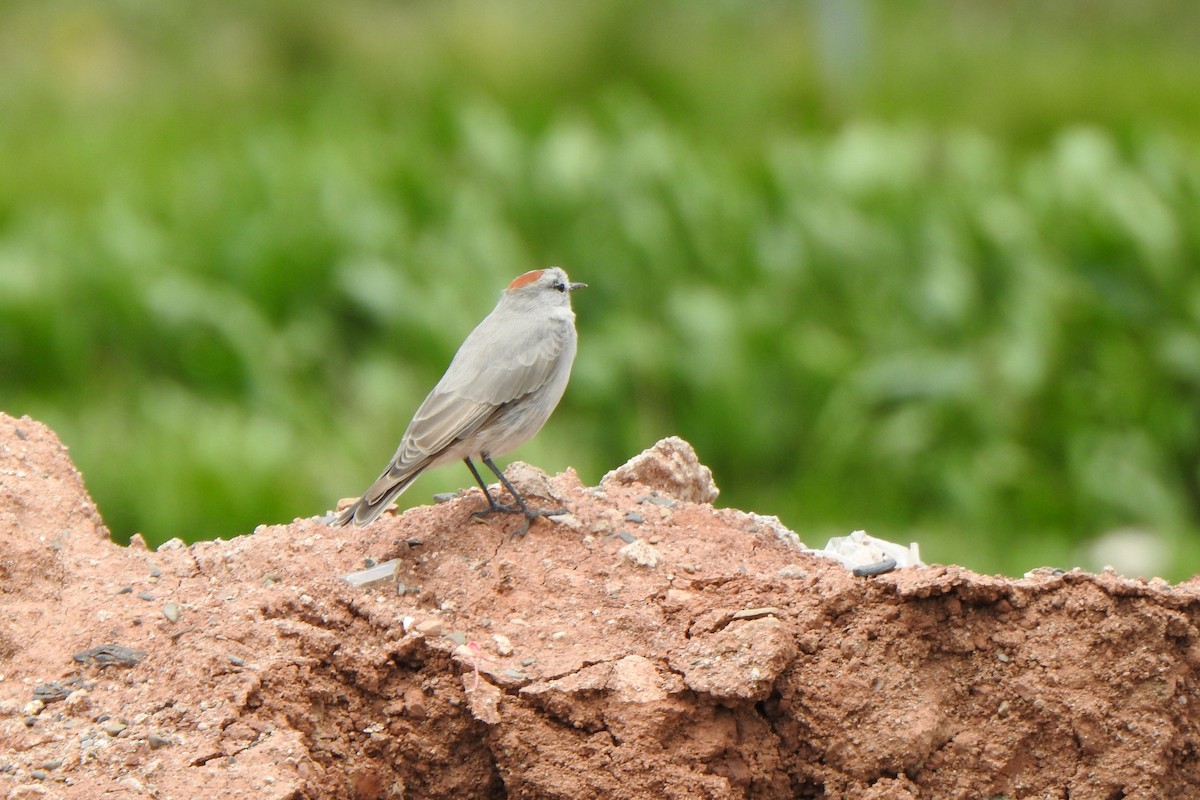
(545, 285)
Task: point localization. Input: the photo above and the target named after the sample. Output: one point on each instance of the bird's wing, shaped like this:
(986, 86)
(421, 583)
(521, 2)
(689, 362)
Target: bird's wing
(493, 367)
(497, 366)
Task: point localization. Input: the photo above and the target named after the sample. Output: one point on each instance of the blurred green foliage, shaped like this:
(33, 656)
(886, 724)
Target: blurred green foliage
(921, 268)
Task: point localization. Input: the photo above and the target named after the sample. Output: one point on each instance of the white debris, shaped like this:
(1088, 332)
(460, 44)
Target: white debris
(860, 549)
(671, 467)
(640, 554)
(503, 644)
(373, 576)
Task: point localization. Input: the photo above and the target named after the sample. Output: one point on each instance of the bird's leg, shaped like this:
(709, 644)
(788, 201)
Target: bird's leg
(492, 504)
(530, 515)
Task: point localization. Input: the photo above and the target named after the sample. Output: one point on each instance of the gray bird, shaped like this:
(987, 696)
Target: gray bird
(500, 388)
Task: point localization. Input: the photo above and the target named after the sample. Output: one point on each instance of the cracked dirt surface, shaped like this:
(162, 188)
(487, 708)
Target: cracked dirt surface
(646, 646)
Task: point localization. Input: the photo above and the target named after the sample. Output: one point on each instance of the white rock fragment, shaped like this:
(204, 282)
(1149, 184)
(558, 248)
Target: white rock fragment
(671, 467)
(529, 480)
(569, 520)
(640, 554)
(373, 576)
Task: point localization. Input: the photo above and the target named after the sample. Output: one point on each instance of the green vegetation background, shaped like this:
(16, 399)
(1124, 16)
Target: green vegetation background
(927, 269)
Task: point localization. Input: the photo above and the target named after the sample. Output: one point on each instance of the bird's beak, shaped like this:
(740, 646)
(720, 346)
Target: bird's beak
(576, 285)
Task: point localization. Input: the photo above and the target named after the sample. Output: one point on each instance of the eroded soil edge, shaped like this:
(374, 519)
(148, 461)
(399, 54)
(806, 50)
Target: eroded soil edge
(648, 645)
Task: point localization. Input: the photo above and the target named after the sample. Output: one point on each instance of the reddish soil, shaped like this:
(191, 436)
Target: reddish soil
(647, 646)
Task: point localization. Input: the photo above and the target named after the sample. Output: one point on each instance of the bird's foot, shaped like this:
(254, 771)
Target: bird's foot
(516, 508)
(531, 515)
(502, 508)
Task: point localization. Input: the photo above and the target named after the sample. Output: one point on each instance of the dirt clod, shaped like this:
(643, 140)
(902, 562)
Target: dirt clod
(554, 665)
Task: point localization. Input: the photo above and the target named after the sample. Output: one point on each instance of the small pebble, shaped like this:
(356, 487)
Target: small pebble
(634, 517)
(51, 692)
(640, 554)
(369, 562)
(429, 627)
(878, 568)
(156, 741)
(53, 764)
(456, 637)
(558, 636)
(145, 596)
(171, 611)
(155, 571)
(503, 644)
(37, 774)
(444, 497)
(528, 662)
(376, 575)
(113, 727)
(109, 655)
(125, 590)
(626, 537)
(755, 613)
(237, 662)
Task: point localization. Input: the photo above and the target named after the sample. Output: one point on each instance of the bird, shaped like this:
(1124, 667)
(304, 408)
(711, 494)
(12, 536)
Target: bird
(500, 388)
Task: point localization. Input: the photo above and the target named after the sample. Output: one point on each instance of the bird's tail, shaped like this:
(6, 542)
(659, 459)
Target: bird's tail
(375, 500)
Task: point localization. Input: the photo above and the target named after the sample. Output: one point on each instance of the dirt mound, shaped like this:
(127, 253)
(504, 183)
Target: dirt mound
(646, 645)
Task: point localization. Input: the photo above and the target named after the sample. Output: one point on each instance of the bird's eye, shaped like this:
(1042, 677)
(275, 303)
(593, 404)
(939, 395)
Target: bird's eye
(562, 287)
